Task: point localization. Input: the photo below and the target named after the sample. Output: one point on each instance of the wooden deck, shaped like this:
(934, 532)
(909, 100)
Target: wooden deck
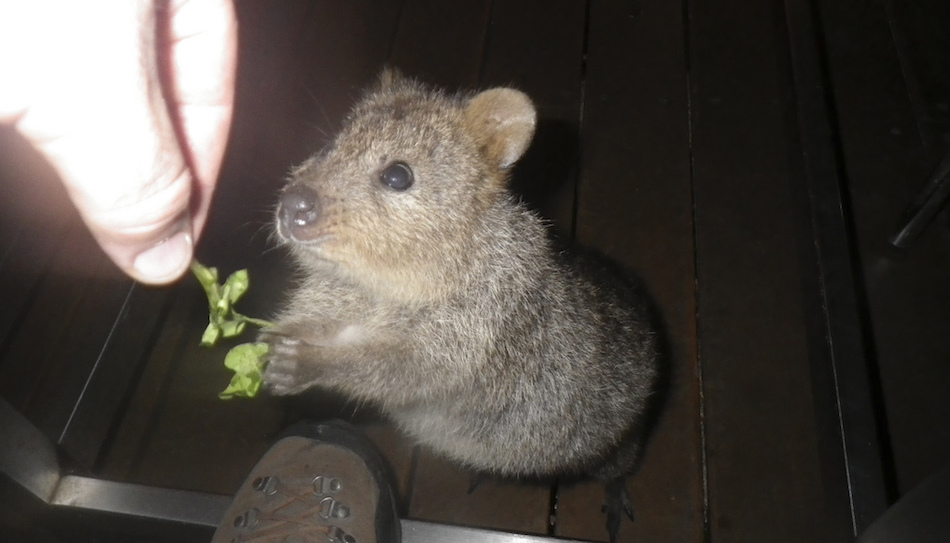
(669, 138)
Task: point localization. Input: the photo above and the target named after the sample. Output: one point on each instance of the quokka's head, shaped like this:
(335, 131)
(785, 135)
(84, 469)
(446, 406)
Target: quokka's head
(398, 198)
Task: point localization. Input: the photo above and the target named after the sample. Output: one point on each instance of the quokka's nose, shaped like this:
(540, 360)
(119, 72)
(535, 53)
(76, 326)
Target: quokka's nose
(299, 207)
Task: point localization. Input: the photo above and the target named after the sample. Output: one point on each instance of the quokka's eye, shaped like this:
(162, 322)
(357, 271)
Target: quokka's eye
(397, 176)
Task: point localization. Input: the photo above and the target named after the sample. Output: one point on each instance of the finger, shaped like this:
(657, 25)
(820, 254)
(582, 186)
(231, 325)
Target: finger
(80, 92)
(203, 55)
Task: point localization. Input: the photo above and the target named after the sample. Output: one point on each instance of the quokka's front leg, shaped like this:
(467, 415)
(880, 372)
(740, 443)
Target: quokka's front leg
(299, 355)
(293, 365)
(338, 356)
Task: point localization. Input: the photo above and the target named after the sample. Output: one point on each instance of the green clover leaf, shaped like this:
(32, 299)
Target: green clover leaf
(246, 360)
(211, 335)
(235, 286)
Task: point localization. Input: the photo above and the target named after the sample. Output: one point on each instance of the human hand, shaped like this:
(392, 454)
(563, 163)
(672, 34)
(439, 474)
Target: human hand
(138, 143)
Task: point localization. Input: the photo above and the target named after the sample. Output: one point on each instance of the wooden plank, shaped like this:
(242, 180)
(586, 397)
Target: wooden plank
(635, 204)
(256, 162)
(351, 41)
(842, 390)
(398, 452)
(440, 493)
(442, 42)
(27, 360)
(177, 433)
(108, 390)
(34, 211)
(921, 43)
(196, 441)
(765, 462)
(79, 272)
(30, 254)
(885, 144)
(75, 355)
(119, 461)
(538, 46)
(56, 333)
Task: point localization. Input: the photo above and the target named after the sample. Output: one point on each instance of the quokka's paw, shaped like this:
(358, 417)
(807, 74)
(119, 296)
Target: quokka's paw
(616, 503)
(288, 369)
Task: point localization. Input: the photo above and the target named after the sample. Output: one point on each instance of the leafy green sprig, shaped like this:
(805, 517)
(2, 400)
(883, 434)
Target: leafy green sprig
(246, 360)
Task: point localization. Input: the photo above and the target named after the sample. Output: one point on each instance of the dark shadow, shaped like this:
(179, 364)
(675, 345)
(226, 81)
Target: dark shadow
(546, 175)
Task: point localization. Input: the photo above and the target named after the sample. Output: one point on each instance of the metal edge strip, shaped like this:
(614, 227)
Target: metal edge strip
(200, 509)
(848, 358)
(26, 455)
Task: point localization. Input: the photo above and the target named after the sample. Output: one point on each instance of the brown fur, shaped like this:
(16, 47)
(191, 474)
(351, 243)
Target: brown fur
(446, 303)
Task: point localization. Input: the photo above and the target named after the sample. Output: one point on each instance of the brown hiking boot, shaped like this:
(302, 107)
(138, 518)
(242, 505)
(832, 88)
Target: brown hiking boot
(322, 482)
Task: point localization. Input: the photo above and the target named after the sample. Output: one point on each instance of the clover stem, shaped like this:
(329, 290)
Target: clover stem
(261, 323)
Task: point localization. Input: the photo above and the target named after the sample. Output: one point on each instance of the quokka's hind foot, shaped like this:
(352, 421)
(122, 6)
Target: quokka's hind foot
(616, 502)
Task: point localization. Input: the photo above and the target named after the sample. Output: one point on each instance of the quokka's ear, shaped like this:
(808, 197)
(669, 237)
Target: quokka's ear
(503, 122)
